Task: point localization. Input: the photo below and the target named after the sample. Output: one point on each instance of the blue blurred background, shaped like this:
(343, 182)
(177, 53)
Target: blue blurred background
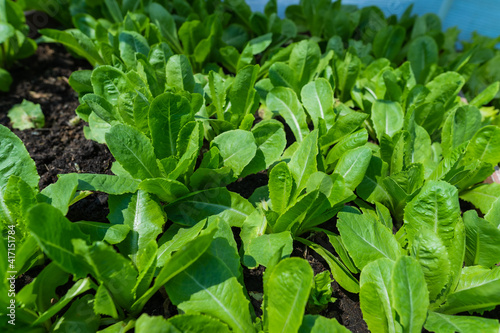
(482, 16)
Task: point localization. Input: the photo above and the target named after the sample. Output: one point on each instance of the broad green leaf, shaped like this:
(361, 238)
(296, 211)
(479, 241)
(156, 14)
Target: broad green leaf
(218, 294)
(366, 239)
(60, 194)
(103, 183)
(26, 115)
(433, 258)
(303, 163)
(15, 160)
(114, 10)
(443, 89)
(130, 44)
(110, 83)
(242, 95)
(104, 303)
(348, 142)
(388, 42)
(387, 117)
(482, 245)
(237, 149)
(79, 317)
(348, 73)
(478, 289)
(198, 323)
(270, 139)
(436, 208)
(101, 107)
(168, 113)
(196, 206)
(54, 234)
(218, 93)
(340, 272)
(317, 97)
(16, 198)
(280, 187)
(287, 291)
(438, 322)
(167, 190)
(133, 150)
(429, 116)
(281, 75)
(493, 214)
(179, 73)
(189, 144)
(304, 60)
(80, 81)
(352, 166)
(422, 54)
(485, 145)
(262, 249)
(482, 196)
(459, 127)
(285, 102)
(376, 296)
(410, 296)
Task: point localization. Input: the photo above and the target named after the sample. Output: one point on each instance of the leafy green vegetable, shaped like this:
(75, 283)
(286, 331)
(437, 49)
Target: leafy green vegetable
(26, 115)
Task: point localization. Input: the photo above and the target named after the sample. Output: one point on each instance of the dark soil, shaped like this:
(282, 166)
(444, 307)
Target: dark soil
(61, 147)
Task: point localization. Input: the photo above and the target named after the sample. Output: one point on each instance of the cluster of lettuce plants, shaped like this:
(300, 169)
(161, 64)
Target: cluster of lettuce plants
(376, 135)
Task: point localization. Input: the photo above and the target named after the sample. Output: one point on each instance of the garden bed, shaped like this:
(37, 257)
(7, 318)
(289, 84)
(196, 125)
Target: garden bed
(60, 147)
(206, 168)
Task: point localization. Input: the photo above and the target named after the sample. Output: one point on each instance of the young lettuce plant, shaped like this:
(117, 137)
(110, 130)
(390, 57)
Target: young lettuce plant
(19, 194)
(297, 200)
(428, 251)
(431, 136)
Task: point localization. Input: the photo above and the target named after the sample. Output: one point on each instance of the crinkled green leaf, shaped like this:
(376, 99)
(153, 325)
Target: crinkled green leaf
(168, 113)
(26, 115)
(15, 160)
